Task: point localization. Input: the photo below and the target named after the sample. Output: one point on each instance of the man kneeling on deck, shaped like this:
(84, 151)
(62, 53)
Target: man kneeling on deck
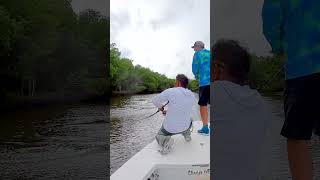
(178, 116)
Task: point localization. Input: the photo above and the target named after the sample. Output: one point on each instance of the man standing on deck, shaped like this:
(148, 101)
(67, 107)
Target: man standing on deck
(292, 29)
(201, 71)
(178, 115)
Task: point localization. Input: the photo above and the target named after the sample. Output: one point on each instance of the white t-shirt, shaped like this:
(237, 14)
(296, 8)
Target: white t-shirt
(178, 115)
(240, 120)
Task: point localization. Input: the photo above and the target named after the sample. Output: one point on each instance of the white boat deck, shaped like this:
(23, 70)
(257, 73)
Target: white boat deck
(191, 160)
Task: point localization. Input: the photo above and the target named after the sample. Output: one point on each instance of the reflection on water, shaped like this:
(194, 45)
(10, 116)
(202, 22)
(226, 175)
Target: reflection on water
(129, 134)
(59, 143)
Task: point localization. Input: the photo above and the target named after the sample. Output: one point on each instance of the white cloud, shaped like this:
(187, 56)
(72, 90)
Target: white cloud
(159, 34)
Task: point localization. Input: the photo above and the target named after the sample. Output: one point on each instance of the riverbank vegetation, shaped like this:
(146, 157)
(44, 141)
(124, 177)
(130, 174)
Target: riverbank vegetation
(267, 74)
(48, 52)
(126, 78)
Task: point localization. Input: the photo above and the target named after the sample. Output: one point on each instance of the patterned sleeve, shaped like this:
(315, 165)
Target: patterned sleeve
(272, 16)
(195, 65)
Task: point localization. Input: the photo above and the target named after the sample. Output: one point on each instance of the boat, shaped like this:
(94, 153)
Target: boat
(186, 160)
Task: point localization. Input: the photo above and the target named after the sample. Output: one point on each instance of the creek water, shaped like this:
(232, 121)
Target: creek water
(66, 142)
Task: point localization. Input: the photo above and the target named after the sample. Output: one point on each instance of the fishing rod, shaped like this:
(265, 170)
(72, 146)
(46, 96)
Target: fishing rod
(157, 111)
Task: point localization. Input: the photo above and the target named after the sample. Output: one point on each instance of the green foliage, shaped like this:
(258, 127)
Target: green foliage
(45, 47)
(266, 74)
(193, 85)
(125, 77)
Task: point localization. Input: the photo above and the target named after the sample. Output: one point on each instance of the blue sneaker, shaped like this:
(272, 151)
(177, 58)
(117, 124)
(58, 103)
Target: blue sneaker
(204, 130)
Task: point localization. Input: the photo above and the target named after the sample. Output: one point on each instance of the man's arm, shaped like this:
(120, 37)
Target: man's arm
(161, 98)
(272, 15)
(195, 66)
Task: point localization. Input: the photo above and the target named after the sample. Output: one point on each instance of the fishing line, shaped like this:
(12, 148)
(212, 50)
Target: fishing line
(155, 112)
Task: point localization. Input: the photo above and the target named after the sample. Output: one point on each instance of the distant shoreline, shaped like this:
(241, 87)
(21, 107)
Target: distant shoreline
(18, 103)
(128, 93)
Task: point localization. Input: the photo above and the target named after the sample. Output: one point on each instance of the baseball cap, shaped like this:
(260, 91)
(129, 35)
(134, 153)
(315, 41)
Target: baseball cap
(198, 43)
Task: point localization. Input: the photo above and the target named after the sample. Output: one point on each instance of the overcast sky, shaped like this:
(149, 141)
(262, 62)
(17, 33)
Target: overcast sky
(159, 34)
(240, 20)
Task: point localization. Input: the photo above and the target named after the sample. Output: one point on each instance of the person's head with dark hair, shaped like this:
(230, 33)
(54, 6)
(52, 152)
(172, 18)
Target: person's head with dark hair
(229, 62)
(181, 81)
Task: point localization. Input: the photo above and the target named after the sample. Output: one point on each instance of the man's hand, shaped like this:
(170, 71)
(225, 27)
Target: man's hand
(161, 109)
(197, 77)
(164, 112)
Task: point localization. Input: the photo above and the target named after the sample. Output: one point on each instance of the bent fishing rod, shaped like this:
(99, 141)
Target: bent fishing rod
(159, 109)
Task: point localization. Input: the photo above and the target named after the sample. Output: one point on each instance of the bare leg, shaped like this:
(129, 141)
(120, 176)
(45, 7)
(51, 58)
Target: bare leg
(204, 114)
(299, 159)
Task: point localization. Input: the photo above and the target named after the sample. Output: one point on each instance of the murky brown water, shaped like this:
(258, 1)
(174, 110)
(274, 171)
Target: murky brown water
(128, 134)
(55, 143)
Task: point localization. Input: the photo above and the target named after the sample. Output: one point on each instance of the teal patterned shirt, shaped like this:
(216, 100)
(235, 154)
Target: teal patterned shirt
(292, 28)
(201, 67)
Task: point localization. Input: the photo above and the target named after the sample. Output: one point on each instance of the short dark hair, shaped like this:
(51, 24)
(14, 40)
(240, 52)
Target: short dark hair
(183, 80)
(235, 58)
